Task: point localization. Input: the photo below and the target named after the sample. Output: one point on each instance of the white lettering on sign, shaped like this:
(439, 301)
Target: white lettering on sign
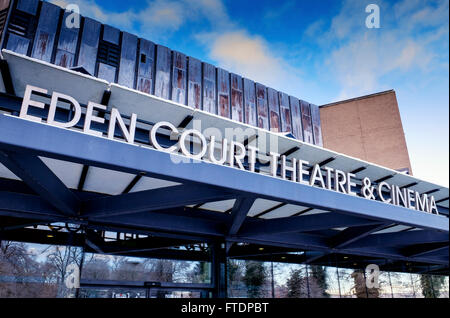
(232, 153)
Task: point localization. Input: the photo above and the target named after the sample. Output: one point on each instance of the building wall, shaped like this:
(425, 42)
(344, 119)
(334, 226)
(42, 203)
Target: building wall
(368, 128)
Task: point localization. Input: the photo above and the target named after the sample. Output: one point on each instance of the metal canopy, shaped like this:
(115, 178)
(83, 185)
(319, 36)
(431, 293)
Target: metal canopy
(141, 190)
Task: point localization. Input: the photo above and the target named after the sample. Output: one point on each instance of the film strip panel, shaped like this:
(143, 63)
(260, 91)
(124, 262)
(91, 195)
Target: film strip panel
(89, 45)
(209, 88)
(146, 66)
(317, 125)
(128, 55)
(285, 112)
(307, 122)
(162, 77)
(223, 93)
(67, 44)
(274, 110)
(261, 106)
(250, 112)
(179, 78)
(195, 83)
(297, 127)
(237, 98)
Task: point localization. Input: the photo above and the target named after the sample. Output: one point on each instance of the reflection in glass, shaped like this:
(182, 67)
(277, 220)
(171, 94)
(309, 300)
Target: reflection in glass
(333, 282)
(297, 284)
(123, 268)
(36, 271)
(349, 286)
(385, 290)
(402, 286)
(318, 281)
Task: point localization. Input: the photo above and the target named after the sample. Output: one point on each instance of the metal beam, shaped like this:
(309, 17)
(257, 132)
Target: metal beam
(165, 222)
(42, 180)
(239, 213)
(18, 224)
(353, 234)
(304, 223)
(401, 239)
(238, 216)
(151, 200)
(426, 250)
(45, 140)
(28, 206)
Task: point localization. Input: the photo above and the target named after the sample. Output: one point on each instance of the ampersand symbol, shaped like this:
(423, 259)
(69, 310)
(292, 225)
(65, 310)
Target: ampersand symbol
(367, 189)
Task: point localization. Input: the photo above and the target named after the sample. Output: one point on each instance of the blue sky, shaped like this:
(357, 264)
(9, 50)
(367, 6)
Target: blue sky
(320, 51)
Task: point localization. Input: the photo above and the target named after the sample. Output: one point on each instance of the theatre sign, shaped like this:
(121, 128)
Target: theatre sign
(233, 153)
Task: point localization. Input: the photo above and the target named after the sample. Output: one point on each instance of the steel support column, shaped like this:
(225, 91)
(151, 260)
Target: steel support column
(219, 269)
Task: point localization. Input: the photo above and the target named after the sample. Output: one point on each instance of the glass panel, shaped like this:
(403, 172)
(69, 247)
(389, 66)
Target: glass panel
(385, 290)
(402, 286)
(434, 286)
(290, 281)
(106, 292)
(249, 279)
(444, 291)
(236, 284)
(352, 283)
(165, 293)
(333, 282)
(36, 271)
(101, 267)
(318, 281)
(417, 285)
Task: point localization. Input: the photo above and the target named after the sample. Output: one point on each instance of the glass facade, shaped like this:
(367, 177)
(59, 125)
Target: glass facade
(280, 280)
(30, 270)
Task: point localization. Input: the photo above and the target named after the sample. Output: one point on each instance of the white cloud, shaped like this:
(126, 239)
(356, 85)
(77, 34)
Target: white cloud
(156, 18)
(252, 57)
(89, 8)
(362, 57)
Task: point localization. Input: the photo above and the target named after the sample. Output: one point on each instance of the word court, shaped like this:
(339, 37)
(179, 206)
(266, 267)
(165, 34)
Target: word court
(233, 153)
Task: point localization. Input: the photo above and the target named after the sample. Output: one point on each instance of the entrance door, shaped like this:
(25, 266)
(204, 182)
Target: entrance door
(107, 289)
